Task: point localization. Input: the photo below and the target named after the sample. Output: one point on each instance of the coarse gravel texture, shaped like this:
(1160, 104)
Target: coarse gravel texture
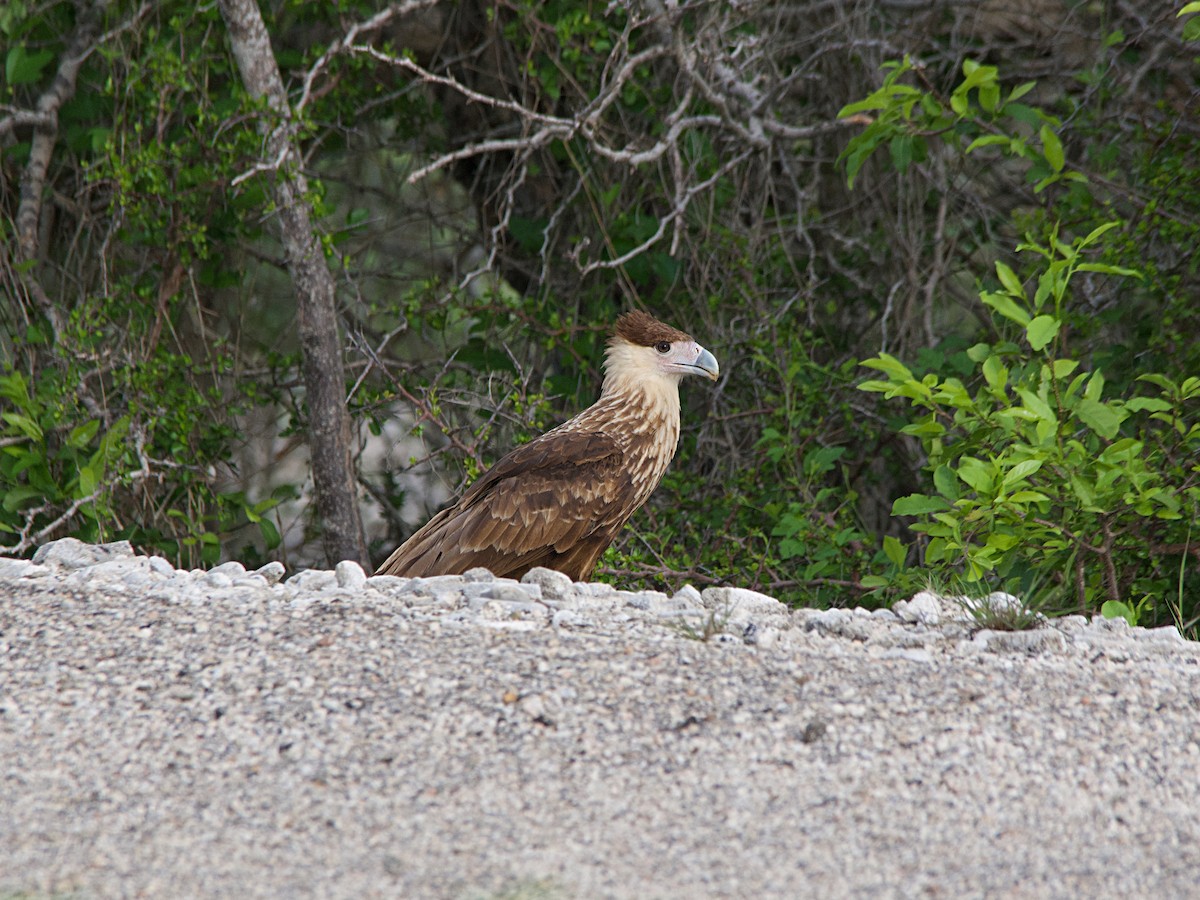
(228, 734)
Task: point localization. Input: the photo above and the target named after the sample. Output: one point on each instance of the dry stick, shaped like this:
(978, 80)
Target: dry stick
(343, 44)
(681, 206)
(321, 357)
(28, 541)
(45, 135)
(423, 408)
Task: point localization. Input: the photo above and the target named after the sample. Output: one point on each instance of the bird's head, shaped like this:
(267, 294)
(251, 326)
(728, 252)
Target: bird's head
(647, 351)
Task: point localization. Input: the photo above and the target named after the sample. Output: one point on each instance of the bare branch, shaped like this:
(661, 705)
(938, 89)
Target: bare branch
(680, 207)
(346, 42)
(28, 539)
(23, 118)
(403, 62)
(502, 145)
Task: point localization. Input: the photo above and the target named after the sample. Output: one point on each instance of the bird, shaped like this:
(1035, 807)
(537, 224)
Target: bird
(560, 500)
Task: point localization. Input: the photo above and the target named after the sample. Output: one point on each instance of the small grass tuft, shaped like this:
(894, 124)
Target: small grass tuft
(998, 611)
(716, 622)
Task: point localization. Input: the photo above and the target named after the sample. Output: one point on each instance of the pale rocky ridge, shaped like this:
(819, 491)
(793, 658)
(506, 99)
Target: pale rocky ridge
(335, 734)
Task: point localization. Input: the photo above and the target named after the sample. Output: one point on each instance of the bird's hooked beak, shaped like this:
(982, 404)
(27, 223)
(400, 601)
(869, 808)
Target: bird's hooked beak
(706, 364)
(692, 359)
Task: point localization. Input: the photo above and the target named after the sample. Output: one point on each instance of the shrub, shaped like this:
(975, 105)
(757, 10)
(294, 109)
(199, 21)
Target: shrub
(1041, 473)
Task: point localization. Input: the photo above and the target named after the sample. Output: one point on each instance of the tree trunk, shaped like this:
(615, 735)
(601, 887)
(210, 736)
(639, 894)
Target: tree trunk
(320, 347)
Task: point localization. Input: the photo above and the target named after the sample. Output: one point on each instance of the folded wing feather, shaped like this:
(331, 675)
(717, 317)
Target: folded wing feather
(557, 501)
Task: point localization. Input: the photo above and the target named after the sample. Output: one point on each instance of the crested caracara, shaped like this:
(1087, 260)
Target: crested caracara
(561, 499)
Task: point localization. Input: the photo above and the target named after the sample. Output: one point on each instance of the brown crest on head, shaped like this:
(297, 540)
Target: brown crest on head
(643, 329)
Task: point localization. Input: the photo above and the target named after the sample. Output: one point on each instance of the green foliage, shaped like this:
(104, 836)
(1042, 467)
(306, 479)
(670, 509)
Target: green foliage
(977, 114)
(1038, 471)
(123, 424)
(1191, 25)
(474, 302)
(45, 468)
(786, 517)
(58, 477)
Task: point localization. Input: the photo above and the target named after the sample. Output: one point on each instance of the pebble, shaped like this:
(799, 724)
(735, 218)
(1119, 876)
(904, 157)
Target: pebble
(554, 585)
(924, 608)
(72, 553)
(350, 575)
(234, 570)
(272, 571)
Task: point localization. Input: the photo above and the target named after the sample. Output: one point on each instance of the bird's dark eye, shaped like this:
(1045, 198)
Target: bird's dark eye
(663, 347)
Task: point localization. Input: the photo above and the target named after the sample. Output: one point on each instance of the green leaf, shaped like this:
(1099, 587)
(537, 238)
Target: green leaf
(989, 96)
(1041, 331)
(1006, 306)
(1115, 609)
(1096, 233)
(1106, 269)
(1046, 182)
(1052, 147)
(1009, 279)
(988, 140)
(14, 497)
(22, 67)
(821, 460)
(1064, 367)
(918, 505)
(1021, 471)
(1161, 381)
(901, 147)
(977, 474)
(890, 365)
(26, 425)
(1141, 404)
(895, 551)
(87, 482)
(924, 429)
(946, 482)
(1028, 497)
(1037, 405)
(81, 436)
(14, 388)
(1100, 417)
(269, 533)
(1020, 91)
(1025, 114)
(995, 373)
(1002, 541)
(884, 98)
(979, 352)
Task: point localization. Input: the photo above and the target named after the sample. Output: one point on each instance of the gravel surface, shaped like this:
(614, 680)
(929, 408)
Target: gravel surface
(176, 734)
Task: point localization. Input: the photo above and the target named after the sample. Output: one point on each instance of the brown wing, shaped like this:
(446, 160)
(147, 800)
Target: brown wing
(557, 501)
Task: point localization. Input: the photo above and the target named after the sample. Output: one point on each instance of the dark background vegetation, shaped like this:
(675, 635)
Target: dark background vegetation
(492, 183)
